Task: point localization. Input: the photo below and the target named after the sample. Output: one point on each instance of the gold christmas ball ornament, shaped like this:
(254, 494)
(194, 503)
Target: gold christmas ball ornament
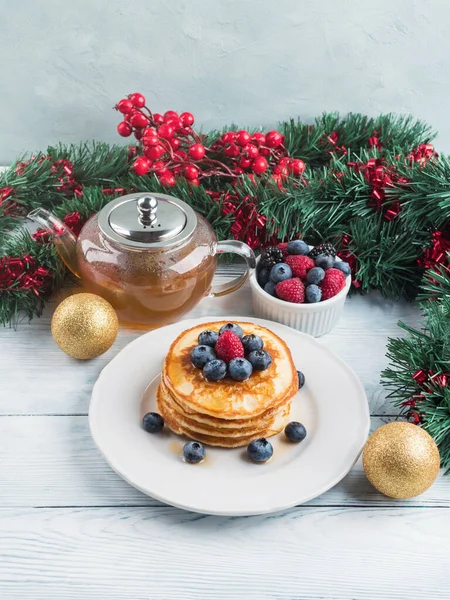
(401, 460)
(84, 326)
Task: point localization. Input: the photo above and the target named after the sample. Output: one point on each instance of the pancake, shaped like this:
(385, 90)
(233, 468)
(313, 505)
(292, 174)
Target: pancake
(173, 421)
(228, 399)
(221, 429)
(215, 422)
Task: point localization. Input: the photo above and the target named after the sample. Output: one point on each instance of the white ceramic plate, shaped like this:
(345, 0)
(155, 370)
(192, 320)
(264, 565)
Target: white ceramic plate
(332, 405)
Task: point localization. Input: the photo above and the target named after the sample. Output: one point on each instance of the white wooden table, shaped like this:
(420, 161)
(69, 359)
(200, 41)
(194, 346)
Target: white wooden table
(70, 528)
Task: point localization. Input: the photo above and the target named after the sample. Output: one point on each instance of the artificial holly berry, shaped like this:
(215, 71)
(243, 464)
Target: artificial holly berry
(160, 168)
(137, 119)
(175, 143)
(191, 172)
(181, 155)
(138, 100)
(124, 129)
(187, 119)
(284, 161)
(245, 163)
(150, 137)
(232, 151)
(148, 153)
(228, 137)
(170, 114)
(167, 180)
(264, 151)
(273, 139)
(174, 122)
(296, 167)
(259, 138)
(281, 171)
(166, 131)
(242, 137)
(141, 165)
(184, 131)
(158, 119)
(197, 151)
(259, 165)
(154, 152)
(132, 151)
(194, 182)
(250, 151)
(138, 134)
(124, 106)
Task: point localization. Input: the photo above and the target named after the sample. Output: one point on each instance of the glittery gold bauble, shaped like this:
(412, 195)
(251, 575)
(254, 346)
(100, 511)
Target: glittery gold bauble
(84, 326)
(401, 460)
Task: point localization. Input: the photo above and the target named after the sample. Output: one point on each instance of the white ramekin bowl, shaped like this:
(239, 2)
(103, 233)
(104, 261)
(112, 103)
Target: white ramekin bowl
(315, 319)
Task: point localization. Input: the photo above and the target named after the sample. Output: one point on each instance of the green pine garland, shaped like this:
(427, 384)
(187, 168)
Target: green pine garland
(334, 202)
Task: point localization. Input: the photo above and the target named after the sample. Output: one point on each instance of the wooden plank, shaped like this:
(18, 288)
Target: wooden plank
(37, 378)
(160, 553)
(52, 462)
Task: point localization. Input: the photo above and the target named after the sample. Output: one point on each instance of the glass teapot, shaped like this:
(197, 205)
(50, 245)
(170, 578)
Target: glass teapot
(150, 255)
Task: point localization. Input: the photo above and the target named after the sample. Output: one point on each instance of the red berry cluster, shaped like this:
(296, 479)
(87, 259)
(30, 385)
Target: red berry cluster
(169, 148)
(258, 153)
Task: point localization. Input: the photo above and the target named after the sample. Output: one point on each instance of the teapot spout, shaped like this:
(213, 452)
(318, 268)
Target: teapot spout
(64, 239)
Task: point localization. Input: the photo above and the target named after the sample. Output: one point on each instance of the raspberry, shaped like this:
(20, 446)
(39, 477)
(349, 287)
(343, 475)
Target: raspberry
(333, 283)
(283, 247)
(229, 346)
(299, 264)
(291, 290)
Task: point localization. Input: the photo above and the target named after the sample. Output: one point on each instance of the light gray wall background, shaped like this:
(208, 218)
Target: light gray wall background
(64, 63)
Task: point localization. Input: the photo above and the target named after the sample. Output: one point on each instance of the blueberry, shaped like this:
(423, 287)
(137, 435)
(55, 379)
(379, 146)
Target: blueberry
(152, 422)
(324, 261)
(297, 247)
(295, 431)
(343, 266)
(200, 355)
(215, 370)
(193, 452)
(263, 276)
(208, 338)
(280, 272)
(234, 328)
(313, 293)
(239, 369)
(301, 380)
(260, 450)
(260, 360)
(270, 288)
(252, 342)
(315, 275)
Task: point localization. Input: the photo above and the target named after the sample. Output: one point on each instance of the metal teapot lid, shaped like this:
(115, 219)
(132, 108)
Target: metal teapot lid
(147, 220)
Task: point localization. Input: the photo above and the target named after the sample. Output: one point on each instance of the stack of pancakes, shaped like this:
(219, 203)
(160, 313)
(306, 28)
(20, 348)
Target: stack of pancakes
(226, 413)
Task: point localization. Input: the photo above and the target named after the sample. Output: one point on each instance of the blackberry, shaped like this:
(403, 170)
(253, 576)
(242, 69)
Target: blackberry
(270, 257)
(327, 249)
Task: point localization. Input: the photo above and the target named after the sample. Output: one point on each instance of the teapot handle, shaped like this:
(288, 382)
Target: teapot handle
(237, 248)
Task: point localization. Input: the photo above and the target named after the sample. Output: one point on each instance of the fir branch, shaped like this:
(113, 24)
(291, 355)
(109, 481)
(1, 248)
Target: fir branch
(387, 255)
(436, 283)
(16, 306)
(425, 197)
(427, 349)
